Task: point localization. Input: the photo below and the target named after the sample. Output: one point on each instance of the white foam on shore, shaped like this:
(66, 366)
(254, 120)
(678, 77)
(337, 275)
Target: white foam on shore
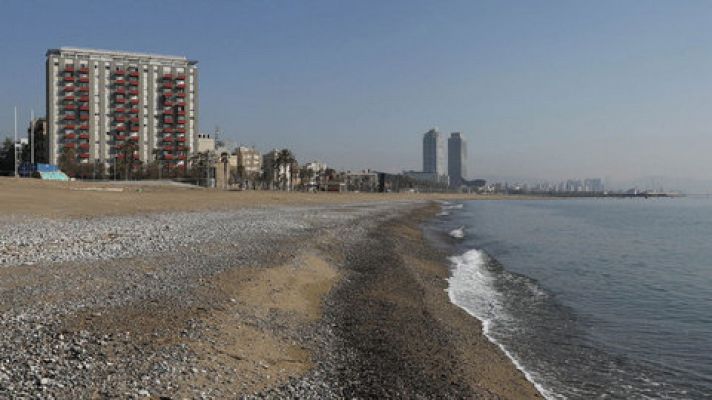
(458, 233)
(451, 206)
(471, 287)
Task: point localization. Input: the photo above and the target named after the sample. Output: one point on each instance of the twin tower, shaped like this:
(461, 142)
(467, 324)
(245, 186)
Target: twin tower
(434, 156)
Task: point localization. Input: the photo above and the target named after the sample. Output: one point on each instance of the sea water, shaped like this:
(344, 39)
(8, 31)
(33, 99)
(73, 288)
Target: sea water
(591, 298)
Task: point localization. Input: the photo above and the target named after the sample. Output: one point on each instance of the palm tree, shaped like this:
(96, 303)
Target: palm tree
(283, 164)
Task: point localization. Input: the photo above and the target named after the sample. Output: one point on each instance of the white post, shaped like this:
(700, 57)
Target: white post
(15, 144)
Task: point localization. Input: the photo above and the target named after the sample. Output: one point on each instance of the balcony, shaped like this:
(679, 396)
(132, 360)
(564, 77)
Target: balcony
(168, 156)
(167, 148)
(120, 100)
(167, 103)
(84, 155)
(167, 111)
(69, 68)
(120, 119)
(120, 90)
(69, 127)
(120, 81)
(168, 139)
(68, 97)
(134, 138)
(69, 88)
(121, 128)
(134, 120)
(180, 130)
(119, 110)
(84, 89)
(134, 74)
(84, 79)
(180, 86)
(84, 108)
(70, 136)
(84, 146)
(133, 83)
(84, 70)
(84, 127)
(84, 99)
(119, 156)
(180, 139)
(180, 77)
(168, 121)
(134, 111)
(167, 85)
(134, 101)
(135, 128)
(70, 107)
(70, 117)
(182, 112)
(182, 157)
(120, 138)
(120, 72)
(133, 92)
(180, 103)
(84, 117)
(69, 79)
(84, 136)
(180, 94)
(167, 76)
(167, 130)
(70, 145)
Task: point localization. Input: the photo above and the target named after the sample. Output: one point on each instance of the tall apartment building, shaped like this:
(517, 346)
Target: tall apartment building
(103, 104)
(457, 159)
(433, 153)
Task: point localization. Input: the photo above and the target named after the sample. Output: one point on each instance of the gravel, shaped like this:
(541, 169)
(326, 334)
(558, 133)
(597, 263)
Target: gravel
(53, 272)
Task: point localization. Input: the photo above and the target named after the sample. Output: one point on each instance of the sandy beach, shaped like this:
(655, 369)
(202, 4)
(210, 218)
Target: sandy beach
(159, 292)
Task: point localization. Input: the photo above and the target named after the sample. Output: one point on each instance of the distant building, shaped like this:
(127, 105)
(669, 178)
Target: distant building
(593, 185)
(428, 177)
(205, 143)
(457, 159)
(40, 140)
(364, 181)
(433, 153)
(100, 101)
(278, 177)
(249, 160)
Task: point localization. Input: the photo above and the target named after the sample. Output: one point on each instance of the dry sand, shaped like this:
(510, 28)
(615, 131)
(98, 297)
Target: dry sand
(87, 199)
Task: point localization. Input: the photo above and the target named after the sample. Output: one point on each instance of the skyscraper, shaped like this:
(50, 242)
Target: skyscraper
(433, 153)
(102, 104)
(457, 159)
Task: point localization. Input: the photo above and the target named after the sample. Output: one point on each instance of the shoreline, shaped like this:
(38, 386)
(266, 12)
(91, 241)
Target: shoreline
(323, 301)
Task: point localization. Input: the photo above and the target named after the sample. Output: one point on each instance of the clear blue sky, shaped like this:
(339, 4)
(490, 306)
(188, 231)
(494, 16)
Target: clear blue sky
(548, 89)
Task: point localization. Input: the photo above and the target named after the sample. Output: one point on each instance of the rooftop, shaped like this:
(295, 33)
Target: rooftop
(114, 53)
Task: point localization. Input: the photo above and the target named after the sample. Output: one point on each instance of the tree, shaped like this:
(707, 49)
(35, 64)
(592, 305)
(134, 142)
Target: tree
(7, 158)
(283, 163)
(68, 162)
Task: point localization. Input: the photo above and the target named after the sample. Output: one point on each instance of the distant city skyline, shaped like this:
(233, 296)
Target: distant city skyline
(549, 90)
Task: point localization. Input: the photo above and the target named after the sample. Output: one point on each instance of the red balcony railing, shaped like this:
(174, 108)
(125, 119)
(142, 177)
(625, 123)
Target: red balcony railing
(84, 70)
(84, 108)
(120, 128)
(120, 110)
(168, 156)
(120, 81)
(70, 107)
(69, 79)
(69, 146)
(84, 89)
(84, 155)
(168, 139)
(84, 127)
(120, 137)
(180, 103)
(84, 136)
(84, 117)
(180, 139)
(167, 76)
(180, 94)
(133, 92)
(69, 88)
(69, 127)
(120, 100)
(182, 157)
(168, 121)
(180, 85)
(167, 103)
(68, 97)
(120, 119)
(133, 83)
(84, 146)
(70, 117)
(69, 68)
(84, 79)
(134, 101)
(167, 130)
(84, 99)
(134, 138)
(133, 74)
(180, 77)
(120, 90)
(135, 128)
(120, 72)
(180, 130)
(182, 112)
(167, 148)
(70, 136)
(134, 111)
(119, 156)
(134, 120)
(167, 85)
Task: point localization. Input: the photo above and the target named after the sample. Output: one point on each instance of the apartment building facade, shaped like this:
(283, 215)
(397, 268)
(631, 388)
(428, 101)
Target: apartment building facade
(107, 106)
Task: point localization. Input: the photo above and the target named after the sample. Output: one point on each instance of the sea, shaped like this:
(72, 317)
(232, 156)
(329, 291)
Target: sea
(590, 298)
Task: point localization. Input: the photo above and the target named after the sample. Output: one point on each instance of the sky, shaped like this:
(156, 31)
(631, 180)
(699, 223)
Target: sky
(620, 90)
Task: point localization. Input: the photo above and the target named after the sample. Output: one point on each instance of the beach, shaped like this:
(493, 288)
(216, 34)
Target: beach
(156, 292)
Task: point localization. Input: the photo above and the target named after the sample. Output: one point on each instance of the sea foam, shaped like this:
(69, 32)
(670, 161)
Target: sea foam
(471, 287)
